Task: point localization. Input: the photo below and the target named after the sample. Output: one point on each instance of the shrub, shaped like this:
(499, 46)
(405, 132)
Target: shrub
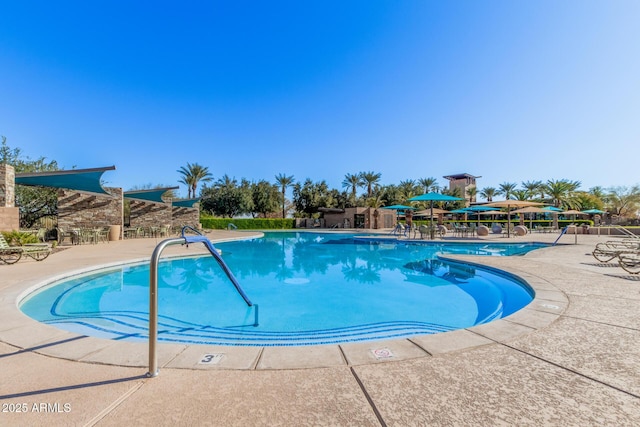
(247, 223)
(19, 238)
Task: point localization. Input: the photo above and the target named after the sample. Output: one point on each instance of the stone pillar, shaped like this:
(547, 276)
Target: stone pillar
(7, 186)
(9, 213)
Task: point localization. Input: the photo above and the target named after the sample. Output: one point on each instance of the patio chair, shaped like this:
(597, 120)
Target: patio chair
(73, 235)
(12, 254)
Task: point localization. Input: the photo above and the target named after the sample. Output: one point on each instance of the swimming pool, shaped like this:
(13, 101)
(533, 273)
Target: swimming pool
(309, 288)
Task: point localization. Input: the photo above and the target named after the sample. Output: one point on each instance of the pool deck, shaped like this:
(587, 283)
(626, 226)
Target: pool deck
(571, 357)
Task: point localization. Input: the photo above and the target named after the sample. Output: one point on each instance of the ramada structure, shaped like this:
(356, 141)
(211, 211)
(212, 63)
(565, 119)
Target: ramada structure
(84, 202)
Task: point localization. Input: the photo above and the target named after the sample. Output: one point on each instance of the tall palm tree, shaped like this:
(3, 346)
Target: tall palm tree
(370, 178)
(284, 181)
(507, 188)
(429, 184)
(561, 192)
(407, 189)
(472, 192)
(192, 174)
(521, 194)
(488, 193)
(352, 181)
(532, 187)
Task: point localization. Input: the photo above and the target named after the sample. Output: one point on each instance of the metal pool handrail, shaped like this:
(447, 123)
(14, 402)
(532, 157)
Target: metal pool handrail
(153, 288)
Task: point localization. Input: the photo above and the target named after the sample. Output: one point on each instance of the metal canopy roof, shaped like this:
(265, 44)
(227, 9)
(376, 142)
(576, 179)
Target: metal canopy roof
(153, 195)
(87, 180)
(185, 203)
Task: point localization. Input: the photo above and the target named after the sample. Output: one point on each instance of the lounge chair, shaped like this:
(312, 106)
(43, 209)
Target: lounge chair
(606, 251)
(630, 262)
(12, 254)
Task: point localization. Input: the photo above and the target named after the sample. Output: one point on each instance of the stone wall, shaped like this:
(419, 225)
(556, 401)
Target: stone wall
(181, 216)
(149, 214)
(77, 210)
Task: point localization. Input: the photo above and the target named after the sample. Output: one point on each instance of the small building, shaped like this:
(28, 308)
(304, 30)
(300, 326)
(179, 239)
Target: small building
(359, 217)
(464, 182)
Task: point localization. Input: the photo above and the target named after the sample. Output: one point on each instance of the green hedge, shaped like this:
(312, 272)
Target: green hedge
(247, 223)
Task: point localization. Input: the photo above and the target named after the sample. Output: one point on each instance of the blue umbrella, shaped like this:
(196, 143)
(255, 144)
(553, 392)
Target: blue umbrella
(593, 212)
(434, 197)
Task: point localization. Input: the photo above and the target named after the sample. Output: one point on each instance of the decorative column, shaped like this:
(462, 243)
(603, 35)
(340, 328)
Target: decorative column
(9, 213)
(7, 186)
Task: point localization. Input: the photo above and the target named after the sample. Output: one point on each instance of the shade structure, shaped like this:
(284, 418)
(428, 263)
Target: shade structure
(512, 204)
(184, 203)
(434, 197)
(153, 195)
(86, 180)
(593, 212)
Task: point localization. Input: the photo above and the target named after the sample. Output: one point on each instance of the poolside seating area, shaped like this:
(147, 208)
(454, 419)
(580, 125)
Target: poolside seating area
(83, 235)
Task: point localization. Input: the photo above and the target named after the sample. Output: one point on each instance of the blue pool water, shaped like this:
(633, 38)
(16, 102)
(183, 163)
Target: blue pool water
(309, 288)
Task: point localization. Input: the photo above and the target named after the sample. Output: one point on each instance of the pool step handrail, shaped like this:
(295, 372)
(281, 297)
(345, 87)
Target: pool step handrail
(153, 287)
(214, 252)
(625, 232)
(562, 233)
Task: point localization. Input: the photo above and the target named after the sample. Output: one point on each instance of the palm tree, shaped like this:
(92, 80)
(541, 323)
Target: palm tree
(472, 192)
(429, 184)
(284, 181)
(533, 187)
(407, 189)
(520, 194)
(375, 202)
(352, 181)
(370, 178)
(507, 188)
(488, 193)
(561, 193)
(192, 174)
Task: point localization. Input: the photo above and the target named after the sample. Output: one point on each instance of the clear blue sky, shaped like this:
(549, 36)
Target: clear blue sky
(509, 90)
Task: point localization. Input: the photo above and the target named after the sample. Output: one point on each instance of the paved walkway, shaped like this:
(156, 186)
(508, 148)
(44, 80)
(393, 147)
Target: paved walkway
(572, 357)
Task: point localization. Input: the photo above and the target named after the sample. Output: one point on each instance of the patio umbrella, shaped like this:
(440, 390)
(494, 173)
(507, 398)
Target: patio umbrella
(509, 204)
(434, 197)
(593, 212)
(398, 207)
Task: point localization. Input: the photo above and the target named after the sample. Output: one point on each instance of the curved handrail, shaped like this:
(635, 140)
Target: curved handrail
(153, 287)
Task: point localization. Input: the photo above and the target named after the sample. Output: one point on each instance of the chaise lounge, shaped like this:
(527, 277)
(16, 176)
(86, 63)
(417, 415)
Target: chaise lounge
(12, 254)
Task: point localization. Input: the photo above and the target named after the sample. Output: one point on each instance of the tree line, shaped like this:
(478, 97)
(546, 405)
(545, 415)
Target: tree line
(229, 197)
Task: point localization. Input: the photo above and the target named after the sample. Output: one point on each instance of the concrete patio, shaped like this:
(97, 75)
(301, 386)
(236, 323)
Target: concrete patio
(572, 357)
